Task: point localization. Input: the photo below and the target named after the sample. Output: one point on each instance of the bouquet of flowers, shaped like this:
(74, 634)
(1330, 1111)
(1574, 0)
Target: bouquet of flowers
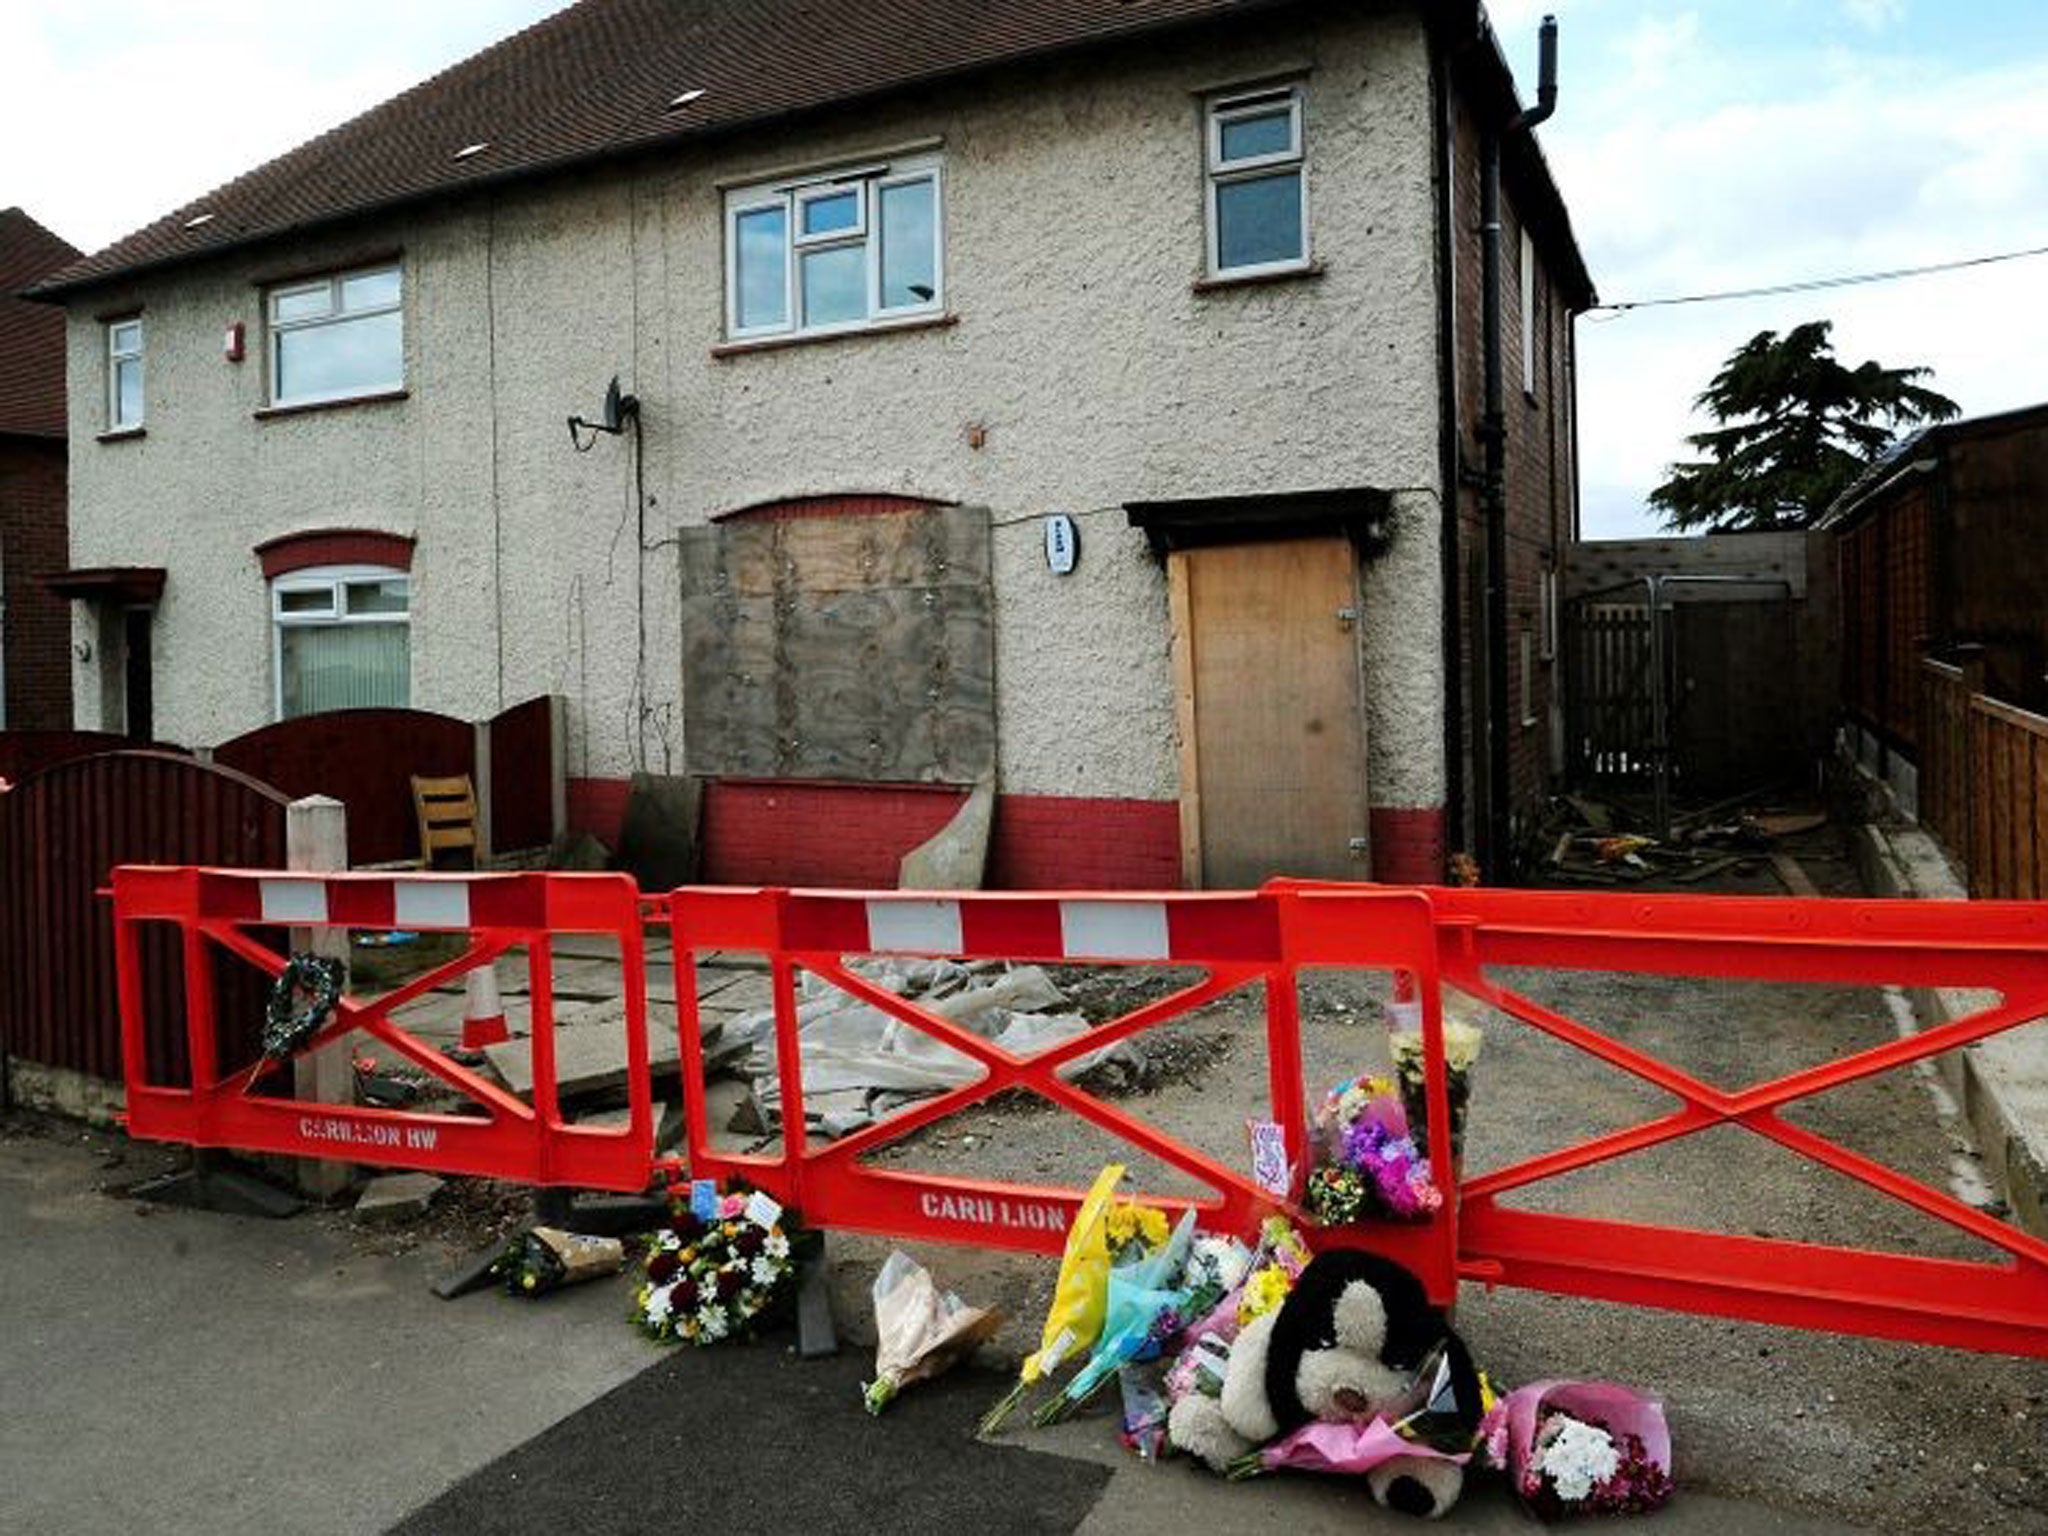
(1370, 1165)
(1074, 1320)
(544, 1259)
(1144, 1304)
(713, 1271)
(1462, 1041)
(1581, 1447)
(920, 1331)
(1254, 1284)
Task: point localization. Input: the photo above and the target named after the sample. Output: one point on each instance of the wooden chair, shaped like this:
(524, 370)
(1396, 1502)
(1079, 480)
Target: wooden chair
(447, 816)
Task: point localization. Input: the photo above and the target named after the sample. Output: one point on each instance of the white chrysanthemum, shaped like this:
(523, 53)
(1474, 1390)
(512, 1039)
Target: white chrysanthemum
(764, 1270)
(660, 1303)
(712, 1322)
(1579, 1458)
(777, 1246)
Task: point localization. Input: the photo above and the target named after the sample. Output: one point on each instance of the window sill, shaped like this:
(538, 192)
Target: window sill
(122, 435)
(886, 328)
(382, 397)
(1256, 279)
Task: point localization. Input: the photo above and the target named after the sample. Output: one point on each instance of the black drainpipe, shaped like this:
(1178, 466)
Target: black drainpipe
(1493, 443)
(1451, 508)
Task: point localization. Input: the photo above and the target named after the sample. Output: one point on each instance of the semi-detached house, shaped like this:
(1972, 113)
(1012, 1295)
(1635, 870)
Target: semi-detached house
(1078, 397)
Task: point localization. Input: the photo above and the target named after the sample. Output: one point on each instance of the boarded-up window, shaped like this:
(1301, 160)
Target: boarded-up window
(855, 647)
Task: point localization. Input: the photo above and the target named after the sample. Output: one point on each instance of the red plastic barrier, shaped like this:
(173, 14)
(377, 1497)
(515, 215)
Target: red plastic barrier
(1460, 939)
(1237, 939)
(507, 1139)
(1997, 1306)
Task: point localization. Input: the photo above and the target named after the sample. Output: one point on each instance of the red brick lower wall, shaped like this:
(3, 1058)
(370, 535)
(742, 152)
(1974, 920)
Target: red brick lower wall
(785, 833)
(598, 806)
(790, 833)
(1056, 842)
(1408, 845)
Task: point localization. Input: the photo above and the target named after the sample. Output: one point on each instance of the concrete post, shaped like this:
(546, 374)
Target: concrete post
(316, 839)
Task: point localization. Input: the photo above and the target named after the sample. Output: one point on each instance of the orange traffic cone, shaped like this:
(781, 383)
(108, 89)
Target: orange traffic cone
(483, 1015)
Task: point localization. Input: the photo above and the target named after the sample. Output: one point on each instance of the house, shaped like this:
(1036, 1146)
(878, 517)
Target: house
(1076, 398)
(35, 630)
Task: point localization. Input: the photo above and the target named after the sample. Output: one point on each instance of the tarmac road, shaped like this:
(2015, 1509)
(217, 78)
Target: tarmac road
(187, 1372)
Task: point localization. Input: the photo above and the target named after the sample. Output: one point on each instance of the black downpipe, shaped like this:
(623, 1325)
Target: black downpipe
(1493, 445)
(1452, 507)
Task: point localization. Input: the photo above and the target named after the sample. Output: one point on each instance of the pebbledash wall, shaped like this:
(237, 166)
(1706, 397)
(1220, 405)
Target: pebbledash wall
(1086, 369)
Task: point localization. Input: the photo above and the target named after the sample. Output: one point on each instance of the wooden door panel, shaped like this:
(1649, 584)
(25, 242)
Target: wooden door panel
(1270, 678)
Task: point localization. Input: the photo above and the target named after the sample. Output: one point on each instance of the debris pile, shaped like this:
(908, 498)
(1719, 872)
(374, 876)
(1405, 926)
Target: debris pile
(861, 1064)
(1594, 842)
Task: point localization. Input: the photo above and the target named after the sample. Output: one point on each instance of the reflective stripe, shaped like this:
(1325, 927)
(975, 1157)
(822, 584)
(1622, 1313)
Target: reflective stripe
(1114, 930)
(294, 901)
(431, 904)
(914, 927)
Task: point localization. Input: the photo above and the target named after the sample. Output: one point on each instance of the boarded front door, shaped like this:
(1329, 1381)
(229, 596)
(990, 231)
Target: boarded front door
(1272, 733)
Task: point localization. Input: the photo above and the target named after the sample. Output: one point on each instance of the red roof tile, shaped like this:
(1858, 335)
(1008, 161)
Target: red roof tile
(31, 335)
(597, 79)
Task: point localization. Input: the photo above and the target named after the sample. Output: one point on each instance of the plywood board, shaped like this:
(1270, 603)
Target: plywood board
(1279, 728)
(857, 648)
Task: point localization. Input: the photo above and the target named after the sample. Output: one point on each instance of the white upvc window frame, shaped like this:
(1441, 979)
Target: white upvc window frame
(117, 354)
(1218, 113)
(868, 183)
(332, 284)
(335, 580)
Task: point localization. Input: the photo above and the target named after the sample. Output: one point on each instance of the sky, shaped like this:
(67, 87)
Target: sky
(1700, 147)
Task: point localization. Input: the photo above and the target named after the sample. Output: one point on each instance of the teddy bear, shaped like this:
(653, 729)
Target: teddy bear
(1345, 1345)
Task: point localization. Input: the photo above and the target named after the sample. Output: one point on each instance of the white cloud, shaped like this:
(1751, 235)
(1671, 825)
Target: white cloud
(1729, 178)
(114, 112)
(1875, 15)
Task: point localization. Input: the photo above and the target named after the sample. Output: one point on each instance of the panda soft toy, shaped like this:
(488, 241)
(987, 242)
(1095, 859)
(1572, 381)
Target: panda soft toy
(1344, 1346)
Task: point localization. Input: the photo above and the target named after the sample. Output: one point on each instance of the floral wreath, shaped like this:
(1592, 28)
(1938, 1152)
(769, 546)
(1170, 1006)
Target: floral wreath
(707, 1277)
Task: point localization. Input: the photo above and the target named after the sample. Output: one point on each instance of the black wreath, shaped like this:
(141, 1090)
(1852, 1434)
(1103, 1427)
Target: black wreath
(287, 1027)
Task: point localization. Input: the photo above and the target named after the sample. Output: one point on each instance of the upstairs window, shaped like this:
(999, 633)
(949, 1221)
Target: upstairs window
(337, 338)
(342, 639)
(1258, 184)
(124, 375)
(838, 253)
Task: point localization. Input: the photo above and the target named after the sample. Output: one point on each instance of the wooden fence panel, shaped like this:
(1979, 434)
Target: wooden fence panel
(1945, 800)
(1608, 649)
(23, 753)
(523, 776)
(365, 758)
(1984, 784)
(60, 833)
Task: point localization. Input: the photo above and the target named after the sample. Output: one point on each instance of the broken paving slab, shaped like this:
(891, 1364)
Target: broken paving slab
(590, 1050)
(397, 1197)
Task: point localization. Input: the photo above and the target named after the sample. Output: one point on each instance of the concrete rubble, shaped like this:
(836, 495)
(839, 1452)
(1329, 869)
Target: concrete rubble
(860, 1064)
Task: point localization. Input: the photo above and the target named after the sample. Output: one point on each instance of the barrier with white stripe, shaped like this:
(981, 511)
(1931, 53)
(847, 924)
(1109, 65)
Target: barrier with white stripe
(1232, 940)
(230, 1101)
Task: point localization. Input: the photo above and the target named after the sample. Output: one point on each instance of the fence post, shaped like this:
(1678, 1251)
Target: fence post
(316, 838)
(480, 790)
(1975, 797)
(558, 767)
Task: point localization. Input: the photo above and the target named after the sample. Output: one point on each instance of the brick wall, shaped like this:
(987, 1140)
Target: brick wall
(1539, 488)
(786, 832)
(33, 545)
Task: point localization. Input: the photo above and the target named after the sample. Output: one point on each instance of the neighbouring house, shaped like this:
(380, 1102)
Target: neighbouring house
(1077, 398)
(35, 630)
